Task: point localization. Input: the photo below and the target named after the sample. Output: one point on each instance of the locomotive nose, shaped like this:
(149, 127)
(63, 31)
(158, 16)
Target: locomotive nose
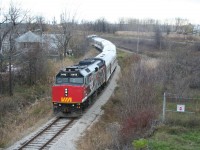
(68, 94)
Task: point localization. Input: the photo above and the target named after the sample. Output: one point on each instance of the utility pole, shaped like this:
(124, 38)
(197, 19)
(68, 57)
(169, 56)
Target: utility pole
(1, 62)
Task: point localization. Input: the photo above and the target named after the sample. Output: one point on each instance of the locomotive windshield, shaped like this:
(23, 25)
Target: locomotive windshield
(69, 78)
(61, 80)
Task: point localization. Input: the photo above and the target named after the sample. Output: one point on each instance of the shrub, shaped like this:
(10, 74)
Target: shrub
(139, 93)
(196, 46)
(140, 144)
(137, 123)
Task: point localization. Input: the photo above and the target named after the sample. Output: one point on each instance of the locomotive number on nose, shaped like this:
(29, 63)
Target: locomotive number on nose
(66, 99)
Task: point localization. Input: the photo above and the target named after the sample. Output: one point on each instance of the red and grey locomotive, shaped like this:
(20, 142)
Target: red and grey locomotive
(75, 86)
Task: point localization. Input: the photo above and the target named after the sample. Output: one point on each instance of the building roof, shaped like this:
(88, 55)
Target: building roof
(29, 37)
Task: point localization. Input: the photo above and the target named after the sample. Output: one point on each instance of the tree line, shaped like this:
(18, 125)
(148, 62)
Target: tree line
(27, 63)
(69, 34)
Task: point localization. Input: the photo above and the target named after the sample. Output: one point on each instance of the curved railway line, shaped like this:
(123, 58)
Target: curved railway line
(105, 65)
(48, 135)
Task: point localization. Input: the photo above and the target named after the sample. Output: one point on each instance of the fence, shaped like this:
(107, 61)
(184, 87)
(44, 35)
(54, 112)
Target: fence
(180, 108)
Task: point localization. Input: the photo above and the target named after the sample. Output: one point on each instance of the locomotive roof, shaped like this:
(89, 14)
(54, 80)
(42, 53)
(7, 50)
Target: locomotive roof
(87, 66)
(91, 65)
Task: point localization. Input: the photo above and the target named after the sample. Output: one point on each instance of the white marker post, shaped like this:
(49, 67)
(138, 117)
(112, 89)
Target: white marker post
(164, 106)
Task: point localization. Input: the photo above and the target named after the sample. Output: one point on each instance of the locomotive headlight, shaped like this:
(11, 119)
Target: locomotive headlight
(66, 92)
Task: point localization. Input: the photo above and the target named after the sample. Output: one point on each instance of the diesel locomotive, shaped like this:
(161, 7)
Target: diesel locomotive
(76, 86)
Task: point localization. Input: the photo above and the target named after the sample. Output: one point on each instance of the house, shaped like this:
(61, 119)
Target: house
(28, 40)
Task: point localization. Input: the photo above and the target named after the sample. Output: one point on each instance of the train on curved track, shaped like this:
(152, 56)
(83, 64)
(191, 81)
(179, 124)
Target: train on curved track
(76, 86)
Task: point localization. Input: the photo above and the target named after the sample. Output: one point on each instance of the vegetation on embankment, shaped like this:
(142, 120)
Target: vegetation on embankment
(175, 137)
(28, 108)
(130, 111)
(133, 116)
(17, 121)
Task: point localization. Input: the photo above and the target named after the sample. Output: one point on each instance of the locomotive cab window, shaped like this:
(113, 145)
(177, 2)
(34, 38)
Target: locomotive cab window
(76, 80)
(61, 80)
(69, 78)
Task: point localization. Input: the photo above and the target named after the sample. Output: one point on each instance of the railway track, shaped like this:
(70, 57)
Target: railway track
(48, 135)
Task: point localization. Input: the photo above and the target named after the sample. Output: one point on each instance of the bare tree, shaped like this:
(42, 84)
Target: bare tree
(158, 37)
(3, 33)
(138, 37)
(14, 18)
(36, 66)
(29, 23)
(40, 24)
(180, 25)
(64, 32)
(121, 24)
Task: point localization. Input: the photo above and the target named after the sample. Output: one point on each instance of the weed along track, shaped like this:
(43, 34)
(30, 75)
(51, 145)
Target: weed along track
(48, 135)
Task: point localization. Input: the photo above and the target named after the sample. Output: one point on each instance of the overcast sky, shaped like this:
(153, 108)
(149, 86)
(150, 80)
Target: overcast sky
(112, 10)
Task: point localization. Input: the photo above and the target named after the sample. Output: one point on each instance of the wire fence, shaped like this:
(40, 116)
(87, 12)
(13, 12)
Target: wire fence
(178, 108)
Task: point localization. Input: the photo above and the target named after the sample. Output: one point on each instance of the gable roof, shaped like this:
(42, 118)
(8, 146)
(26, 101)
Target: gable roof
(29, 37)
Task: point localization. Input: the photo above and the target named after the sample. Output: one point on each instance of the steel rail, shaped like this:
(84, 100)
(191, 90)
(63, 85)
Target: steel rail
(43, 131)
(58, 133)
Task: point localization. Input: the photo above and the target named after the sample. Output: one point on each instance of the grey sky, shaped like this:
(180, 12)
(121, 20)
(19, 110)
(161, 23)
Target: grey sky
(112, 10)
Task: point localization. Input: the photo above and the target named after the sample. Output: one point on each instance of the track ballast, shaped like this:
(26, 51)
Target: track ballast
(48, 135)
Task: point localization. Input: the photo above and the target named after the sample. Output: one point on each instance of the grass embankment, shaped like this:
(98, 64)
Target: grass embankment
(23, 111)
(169, 137)
(180, 131)
(16, 125)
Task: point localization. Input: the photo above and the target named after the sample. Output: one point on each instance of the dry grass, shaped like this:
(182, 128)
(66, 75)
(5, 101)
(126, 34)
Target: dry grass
(181, 37)
(172, 36)
(91, 53)
(61, 64)
(20, 124)
(105, 132)
(150, 63)
(134, 33)
(102, 140)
